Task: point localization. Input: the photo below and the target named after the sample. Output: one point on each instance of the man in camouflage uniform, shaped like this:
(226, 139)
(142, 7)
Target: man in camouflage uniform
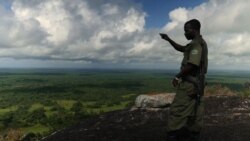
(186, 112)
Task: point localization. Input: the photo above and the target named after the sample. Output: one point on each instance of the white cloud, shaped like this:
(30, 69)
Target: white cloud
(50, 16)
(110, 9)
(178, 17)
(113, 31)
(78, 30)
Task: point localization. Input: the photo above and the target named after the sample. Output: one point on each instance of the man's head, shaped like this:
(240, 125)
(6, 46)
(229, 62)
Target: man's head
(192, 28)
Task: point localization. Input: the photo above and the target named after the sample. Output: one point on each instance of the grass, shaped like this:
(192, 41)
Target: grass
(88, 103)
(35, 106)
(106, 108)
(9, 109)
(50, 113)
(128, 96)
(38, 128)
(66, 104)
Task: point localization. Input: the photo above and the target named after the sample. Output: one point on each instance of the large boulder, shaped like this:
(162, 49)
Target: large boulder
(154, 100)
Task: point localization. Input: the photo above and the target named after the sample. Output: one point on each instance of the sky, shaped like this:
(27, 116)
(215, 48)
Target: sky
(120, 33)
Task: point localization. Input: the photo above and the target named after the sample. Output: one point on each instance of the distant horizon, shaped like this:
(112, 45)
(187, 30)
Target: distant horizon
(115, 68)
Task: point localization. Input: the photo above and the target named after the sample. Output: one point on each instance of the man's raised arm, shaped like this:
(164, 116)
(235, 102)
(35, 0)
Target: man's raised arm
(173, 43)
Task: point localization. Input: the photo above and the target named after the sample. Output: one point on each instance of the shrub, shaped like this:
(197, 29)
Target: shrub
(219, 90)
(12, 135)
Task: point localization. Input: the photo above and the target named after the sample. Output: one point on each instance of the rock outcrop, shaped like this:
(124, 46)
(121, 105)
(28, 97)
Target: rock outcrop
(226, 119)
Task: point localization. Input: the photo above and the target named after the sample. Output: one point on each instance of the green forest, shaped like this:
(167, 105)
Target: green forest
(37, 102)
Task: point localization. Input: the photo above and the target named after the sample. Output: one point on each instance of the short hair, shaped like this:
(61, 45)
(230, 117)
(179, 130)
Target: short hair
(195, 24)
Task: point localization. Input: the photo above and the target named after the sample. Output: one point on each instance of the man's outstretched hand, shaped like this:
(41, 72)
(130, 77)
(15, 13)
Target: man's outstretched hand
(164, 36)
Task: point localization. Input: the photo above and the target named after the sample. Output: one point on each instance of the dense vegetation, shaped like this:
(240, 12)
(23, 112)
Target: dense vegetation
(38, 102)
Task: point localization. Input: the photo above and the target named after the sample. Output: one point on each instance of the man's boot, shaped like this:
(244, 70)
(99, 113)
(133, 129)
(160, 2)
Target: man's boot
(194, 136)
(172, 136)
(183, 135)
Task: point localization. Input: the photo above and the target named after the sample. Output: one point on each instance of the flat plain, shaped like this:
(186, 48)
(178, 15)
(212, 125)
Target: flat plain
(41, 101)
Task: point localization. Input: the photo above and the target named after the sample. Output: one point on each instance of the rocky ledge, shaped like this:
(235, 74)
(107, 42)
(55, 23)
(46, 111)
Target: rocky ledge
(226, 119)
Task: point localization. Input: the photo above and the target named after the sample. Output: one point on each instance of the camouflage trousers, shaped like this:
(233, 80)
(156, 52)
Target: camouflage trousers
(184, 111)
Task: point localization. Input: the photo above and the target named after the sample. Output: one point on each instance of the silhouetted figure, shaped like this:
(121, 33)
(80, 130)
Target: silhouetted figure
(187, 110)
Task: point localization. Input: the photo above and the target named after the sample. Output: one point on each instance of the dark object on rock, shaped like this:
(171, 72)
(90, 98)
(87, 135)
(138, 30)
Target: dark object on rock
(227, 119)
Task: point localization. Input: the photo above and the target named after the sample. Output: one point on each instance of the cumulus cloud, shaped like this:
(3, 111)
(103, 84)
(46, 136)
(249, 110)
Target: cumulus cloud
(113, 31)
(65, 30)
(178, 16)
